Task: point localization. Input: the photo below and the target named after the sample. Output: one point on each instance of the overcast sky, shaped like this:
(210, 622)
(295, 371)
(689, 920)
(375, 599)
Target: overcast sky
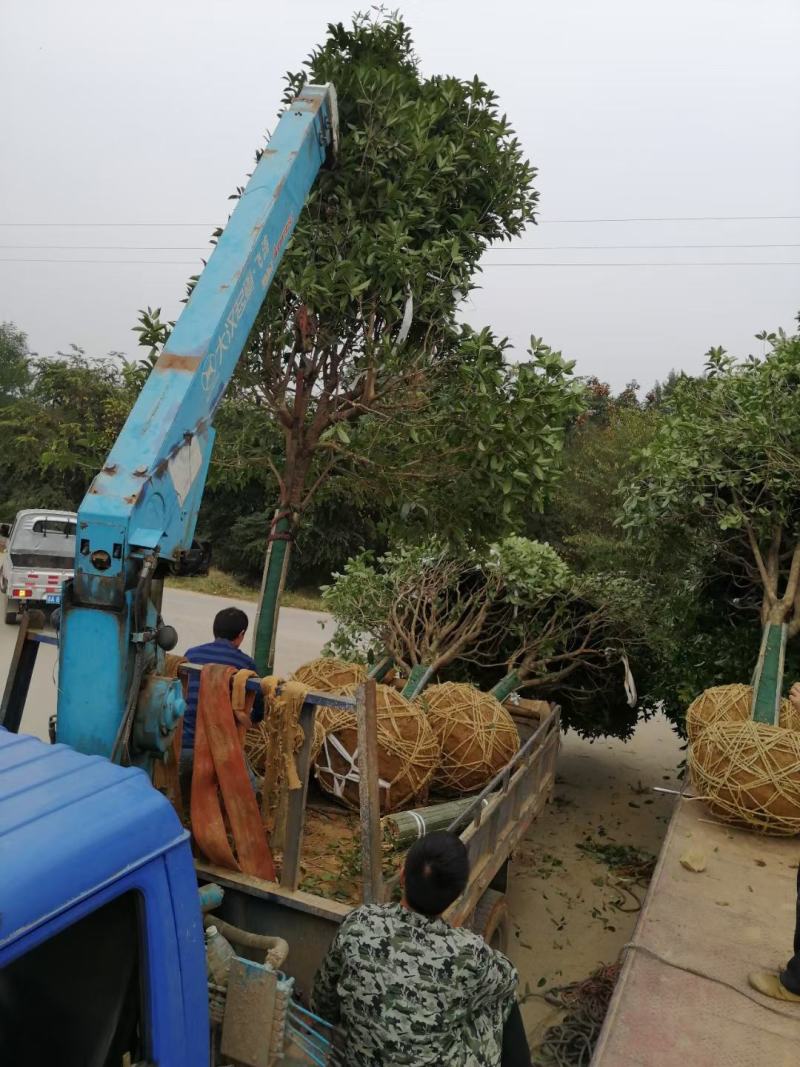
(630, 109)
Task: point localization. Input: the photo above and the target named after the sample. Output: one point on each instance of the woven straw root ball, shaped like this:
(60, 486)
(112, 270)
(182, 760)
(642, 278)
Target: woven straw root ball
(730, 703)
(329, 675)
(408, 752)
(749, 774)
(476, 734)
(256, 743)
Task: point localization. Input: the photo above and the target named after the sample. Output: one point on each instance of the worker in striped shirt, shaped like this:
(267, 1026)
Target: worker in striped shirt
(230, 626)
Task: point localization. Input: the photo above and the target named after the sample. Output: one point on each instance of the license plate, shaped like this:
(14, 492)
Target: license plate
(52, 598)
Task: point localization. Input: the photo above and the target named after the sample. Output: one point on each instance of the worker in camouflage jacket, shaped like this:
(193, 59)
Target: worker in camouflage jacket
(406, 989)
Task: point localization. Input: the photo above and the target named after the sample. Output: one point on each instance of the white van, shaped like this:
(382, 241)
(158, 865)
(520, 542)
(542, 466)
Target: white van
(39, 557)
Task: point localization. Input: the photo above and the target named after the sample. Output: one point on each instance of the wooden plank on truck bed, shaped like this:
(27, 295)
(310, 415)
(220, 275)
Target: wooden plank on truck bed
(682, 997)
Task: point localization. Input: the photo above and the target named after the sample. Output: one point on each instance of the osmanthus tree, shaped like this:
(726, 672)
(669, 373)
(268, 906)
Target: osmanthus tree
(14, 362)
(561, 625)
(722, 473)
(361, 316)
(426, 605)
(511, 617)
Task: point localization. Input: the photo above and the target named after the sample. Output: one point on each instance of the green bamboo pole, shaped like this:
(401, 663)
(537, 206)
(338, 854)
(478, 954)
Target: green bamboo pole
(276, 565)
(379, 670)
(403, 828)
(506, 686)
(768, 675)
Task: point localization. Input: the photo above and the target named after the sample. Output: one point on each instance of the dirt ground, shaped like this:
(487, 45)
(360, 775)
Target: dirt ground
(571, 910)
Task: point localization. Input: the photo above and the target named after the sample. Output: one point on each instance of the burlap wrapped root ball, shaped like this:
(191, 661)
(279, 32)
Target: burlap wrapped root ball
(476, 734)
(408, 752)
(749, 774)
(324, 675)
(730, 703)
(330, 675)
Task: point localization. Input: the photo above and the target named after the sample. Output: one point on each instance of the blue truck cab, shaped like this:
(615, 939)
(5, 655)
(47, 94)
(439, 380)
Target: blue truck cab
(102, 960)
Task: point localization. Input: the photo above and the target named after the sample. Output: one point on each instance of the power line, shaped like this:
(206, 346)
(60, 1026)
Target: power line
(194, 263)
(120, 248)
(542, 222)
(575, 248)
(144, 225)
(495, 248)
(686, 263)
(140, 262)
(680, 218)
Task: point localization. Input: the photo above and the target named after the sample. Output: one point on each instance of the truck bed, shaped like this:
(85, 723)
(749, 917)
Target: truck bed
(682, 997)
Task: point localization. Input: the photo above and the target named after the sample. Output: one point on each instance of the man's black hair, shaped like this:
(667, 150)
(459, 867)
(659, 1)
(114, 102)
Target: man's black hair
(436, 872)
(229, 623)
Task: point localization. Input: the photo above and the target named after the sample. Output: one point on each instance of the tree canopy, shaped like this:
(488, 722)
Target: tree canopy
(723, 470)
(14, 372)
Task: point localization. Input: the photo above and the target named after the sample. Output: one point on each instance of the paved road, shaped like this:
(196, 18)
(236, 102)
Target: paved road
(300, 638)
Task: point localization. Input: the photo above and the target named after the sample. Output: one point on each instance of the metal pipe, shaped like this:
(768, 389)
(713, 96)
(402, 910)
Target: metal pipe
(275, 949)
(325, 700)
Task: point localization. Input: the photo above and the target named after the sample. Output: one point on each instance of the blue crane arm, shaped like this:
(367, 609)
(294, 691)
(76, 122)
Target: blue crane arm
(142, 507)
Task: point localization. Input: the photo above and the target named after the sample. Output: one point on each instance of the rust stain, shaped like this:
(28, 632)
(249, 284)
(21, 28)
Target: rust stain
(279, 188)
(168, 361)
(131, 499)
(314, 102)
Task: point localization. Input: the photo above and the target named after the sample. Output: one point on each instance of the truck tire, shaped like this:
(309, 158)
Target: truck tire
(10, 613)
(492, 921)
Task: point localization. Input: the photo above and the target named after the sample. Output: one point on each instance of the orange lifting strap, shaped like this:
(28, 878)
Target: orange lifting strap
(221, 788)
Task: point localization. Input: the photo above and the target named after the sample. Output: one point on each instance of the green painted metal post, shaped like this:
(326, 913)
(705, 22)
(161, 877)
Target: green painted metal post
(506, 686)
(269, 604)
(768, 675)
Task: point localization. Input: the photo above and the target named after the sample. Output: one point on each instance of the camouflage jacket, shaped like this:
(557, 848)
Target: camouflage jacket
(409, 991)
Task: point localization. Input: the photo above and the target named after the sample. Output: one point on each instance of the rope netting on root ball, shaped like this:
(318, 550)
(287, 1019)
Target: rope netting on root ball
(749, 775)
(730, 703)
(329, 675)
(408, 752)
(476, 735)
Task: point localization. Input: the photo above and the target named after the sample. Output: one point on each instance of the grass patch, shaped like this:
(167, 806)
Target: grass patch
(625, 860)
(308, 599)
(218, 583)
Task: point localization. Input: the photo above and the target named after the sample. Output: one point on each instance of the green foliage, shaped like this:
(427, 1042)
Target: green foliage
(356, 354)
(722, 474)
(726, 455)
(14, 373)
(475, 615)
(532, 571)
(57, 432)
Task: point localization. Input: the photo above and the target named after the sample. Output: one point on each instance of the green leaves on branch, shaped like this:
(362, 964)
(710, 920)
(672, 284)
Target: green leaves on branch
(476, 615)
(724, 469)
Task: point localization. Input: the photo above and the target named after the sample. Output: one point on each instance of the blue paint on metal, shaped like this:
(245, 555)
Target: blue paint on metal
(77, 831)
(147, 496)
(43, 639)
(94, 675)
